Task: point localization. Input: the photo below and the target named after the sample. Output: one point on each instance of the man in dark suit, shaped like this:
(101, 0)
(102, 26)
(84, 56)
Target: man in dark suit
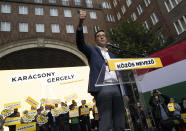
(84, 117)
(108, 98)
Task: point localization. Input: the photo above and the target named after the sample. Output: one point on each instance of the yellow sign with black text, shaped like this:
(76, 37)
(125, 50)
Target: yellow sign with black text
(12, 121)
(183, 115)
(12, 105)
(7, 112)
(137, 63)
(73, 113)
(84, 111)
(26, 127)
(32, 102)
(171, 106)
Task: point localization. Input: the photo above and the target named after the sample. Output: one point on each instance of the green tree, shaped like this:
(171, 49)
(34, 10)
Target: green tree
(135, 39)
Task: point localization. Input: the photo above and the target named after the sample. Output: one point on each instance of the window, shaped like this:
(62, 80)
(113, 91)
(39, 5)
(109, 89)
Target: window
(95, 28)
(40, 28)
(38, 11)
(65, 2)
(89, 3)
(85, 29)
(55, 28)
(118, 16)
(140, 9)
(38, 1)
(93, 15)
(171, 4)
(53, 12)
(51, 1)
(112, 19)
(133, 16)
(147, 2)
(77, 2)
(129, 2)
(106, 5)
(154, 18)
(123, 9)
(5, 9)
(69, 28)
(115, 3)
(180, 25)
(5, 26)
(146, 25)
(67, 13)
(108, 18)
(109, 6)
(23, 27)
(23, 10)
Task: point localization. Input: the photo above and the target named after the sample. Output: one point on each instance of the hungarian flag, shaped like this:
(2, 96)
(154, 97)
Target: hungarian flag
(171, 78)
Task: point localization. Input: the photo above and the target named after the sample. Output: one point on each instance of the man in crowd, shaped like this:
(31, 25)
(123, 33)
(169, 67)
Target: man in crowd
(84, 118)
(15, 114)
(64, 118)
(108, 98)
(160, 111)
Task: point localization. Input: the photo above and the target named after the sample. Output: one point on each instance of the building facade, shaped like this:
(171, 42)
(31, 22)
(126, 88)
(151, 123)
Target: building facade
(30, 25)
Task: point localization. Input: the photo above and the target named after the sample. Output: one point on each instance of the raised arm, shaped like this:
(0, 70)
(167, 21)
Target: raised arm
(151, 102)
(82, 46)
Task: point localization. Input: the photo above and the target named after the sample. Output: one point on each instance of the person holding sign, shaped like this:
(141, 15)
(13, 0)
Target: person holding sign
(108, 98)
(15, 114)
(163, 117)
(183, 113)
(1, 123)
(95, 115)
(74, 119)
(84, 116)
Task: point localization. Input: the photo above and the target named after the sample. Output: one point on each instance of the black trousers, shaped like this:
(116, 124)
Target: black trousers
(111, 109)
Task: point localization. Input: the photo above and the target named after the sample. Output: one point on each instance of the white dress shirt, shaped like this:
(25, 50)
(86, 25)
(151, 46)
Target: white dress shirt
(110, 76)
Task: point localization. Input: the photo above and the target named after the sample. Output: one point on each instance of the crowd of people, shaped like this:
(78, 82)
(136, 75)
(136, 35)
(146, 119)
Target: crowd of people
(73, 118)
(167, 114)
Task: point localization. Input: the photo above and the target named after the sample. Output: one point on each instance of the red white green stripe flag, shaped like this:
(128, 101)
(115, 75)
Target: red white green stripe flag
(171, 78)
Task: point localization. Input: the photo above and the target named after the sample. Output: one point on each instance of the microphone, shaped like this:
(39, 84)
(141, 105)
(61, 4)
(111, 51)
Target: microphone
(113, 46)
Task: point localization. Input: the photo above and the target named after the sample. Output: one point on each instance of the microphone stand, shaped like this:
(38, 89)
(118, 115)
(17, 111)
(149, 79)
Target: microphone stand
(122, 51)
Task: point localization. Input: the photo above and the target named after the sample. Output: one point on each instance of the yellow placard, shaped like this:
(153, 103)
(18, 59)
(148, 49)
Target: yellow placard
(28, 118)
(90, 104)
(73, 113)
(12, 105)
(71, 97)
(7, 112)
(138, 63)
(50, 101)
(64, 109)
(171, 106)
(31, 101)
(183, 115)
(12, 121)
(41, 119)
(84, 111)
(26, 127)
(56, 112)
(149, 124)
(32, 112)
(95, 109)
(45, 112)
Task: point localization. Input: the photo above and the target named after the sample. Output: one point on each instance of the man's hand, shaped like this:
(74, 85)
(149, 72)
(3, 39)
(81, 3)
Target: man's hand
(82, 17)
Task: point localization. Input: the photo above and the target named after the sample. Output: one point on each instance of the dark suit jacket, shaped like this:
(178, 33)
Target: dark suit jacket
(95, 59)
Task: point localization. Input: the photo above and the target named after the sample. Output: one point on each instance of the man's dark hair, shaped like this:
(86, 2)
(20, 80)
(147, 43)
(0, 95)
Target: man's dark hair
(95, 35)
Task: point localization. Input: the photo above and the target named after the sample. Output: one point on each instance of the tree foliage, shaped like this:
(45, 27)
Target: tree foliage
(135, 40)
